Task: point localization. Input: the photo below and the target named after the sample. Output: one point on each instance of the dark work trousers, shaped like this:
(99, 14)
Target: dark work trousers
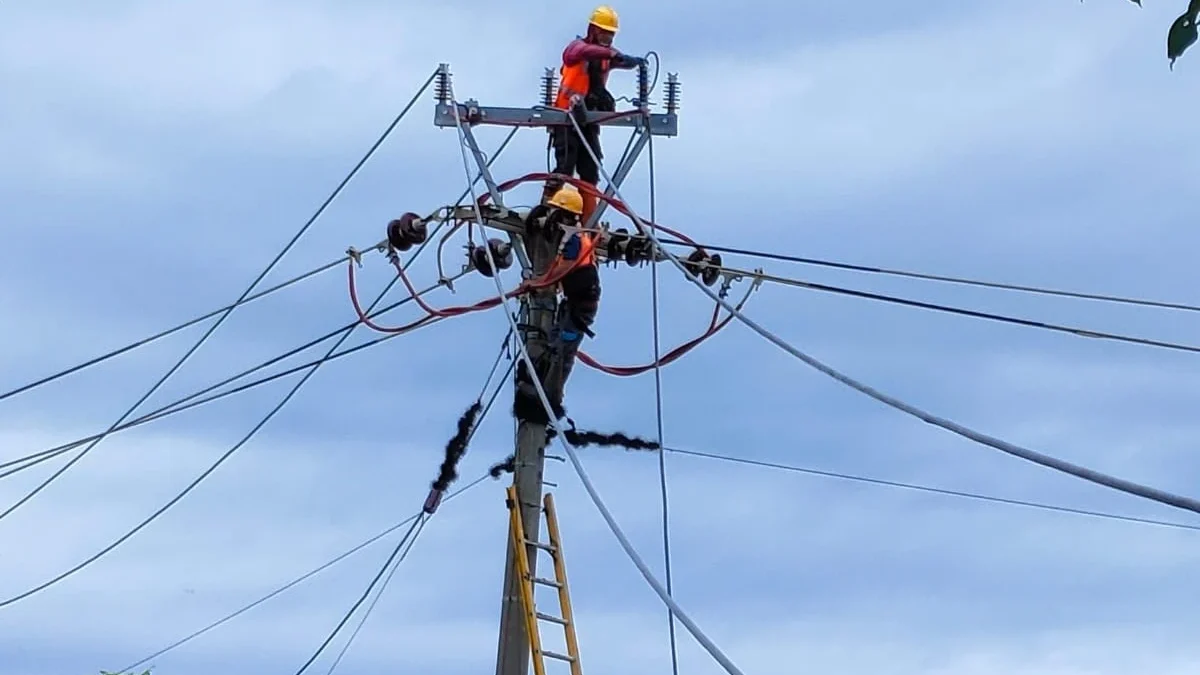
(570, 155)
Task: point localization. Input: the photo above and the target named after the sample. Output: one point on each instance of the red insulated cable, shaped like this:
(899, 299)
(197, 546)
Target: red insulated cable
(587, 188)
(671, 356)
(552, 276)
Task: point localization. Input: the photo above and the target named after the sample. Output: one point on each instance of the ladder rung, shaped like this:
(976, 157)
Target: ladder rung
(552, 619)
(560, 657)
(547, 582)
(545, 547)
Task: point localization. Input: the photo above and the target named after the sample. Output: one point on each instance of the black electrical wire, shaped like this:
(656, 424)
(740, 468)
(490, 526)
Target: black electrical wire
(962, 311)
(400, 551)
(658, 410)
(225, 314)
(170, 331)
(940, 491)
(191, 486)
(44, 455)
(182, 404)
(415, 527)
(387, 580)
(294, 582)
(1143, 302)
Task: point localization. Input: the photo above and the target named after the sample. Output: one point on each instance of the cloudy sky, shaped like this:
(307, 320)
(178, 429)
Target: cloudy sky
(157, 155)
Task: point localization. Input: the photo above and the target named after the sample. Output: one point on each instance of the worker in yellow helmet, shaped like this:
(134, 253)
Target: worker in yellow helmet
(581, 294)
(586, 63)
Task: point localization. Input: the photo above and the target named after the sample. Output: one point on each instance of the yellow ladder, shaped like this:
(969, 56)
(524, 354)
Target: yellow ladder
(528, 581)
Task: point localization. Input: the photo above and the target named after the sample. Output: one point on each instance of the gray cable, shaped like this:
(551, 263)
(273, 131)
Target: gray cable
(597, 500)
(1129, 487)
(872, 269)
(170, 331)
(378, 594)
(298, 580)
(658, 410)
(44, 455)
(938, 491)
(225, 315)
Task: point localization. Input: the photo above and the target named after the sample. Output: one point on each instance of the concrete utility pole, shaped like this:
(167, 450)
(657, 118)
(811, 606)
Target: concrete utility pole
(513, 655)
(539, 308)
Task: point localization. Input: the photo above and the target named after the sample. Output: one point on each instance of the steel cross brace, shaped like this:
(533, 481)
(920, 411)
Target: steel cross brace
(637, 144)
(494, 192)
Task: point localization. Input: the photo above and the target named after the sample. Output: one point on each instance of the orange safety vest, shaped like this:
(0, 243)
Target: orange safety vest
(574, 81)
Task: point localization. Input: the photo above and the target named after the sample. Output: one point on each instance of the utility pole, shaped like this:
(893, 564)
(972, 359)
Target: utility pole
(539, 308)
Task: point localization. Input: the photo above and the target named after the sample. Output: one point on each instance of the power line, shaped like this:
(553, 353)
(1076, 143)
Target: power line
(934, 490)
(963, 311)
(170, 331)
(225, 314)
(157, 336)
(191, 486)
(417, 526)
(1123, 485)
(44, 455)
(597, 501)
(400, 552)
(183, 404)
(658, 412)
(964, 281)
(374, 601)
(294, 582)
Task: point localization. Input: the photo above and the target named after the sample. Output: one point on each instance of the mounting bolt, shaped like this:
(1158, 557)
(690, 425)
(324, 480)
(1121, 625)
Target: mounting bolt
(548, 87)
(442, 88)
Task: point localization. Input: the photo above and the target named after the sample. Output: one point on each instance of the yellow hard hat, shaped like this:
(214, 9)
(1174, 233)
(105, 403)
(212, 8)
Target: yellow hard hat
(605, 18)
(568, 198)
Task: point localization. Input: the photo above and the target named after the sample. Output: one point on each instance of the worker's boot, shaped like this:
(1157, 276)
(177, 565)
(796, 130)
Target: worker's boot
(551, 186)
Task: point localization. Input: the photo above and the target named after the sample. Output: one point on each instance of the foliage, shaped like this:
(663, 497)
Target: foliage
(1182, 33)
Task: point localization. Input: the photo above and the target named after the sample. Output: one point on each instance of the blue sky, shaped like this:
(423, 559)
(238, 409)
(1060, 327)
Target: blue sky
(157, 155)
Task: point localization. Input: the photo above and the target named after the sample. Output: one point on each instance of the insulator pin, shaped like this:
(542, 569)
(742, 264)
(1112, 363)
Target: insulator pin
(707, 267)
(501, 252)
(407, 231)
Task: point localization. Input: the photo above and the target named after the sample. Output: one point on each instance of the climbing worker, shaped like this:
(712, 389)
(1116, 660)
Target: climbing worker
(586, 63)
(581, 297)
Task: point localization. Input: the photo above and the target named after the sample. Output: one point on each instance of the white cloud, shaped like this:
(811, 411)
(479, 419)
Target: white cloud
(786, 572)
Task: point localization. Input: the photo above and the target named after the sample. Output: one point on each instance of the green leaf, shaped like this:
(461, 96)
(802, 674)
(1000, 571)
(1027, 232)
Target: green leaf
(1181, 36)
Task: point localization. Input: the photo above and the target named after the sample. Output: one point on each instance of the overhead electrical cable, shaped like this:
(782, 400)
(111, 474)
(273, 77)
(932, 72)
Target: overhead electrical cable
(964, 281)
(658, 413)
(431, 507)
(225, 314)
(191, 486)
(963, 311)
(1127, 486)
(413, 530)
(977, 496)
(44, 455)
(183, 403)
(695, 630)
(170, 331)
(294, 582)
(446, 473)
(387, 580)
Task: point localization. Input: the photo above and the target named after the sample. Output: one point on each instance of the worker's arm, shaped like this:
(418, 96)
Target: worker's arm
(580, 50)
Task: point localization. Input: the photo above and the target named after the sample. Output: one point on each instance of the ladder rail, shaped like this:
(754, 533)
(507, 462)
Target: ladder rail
(517, 530)
(560, 575)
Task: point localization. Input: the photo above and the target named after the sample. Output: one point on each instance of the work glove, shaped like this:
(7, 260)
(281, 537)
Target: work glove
(627, 61)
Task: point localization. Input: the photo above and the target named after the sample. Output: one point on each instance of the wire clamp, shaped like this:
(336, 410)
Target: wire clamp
(355, 256)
